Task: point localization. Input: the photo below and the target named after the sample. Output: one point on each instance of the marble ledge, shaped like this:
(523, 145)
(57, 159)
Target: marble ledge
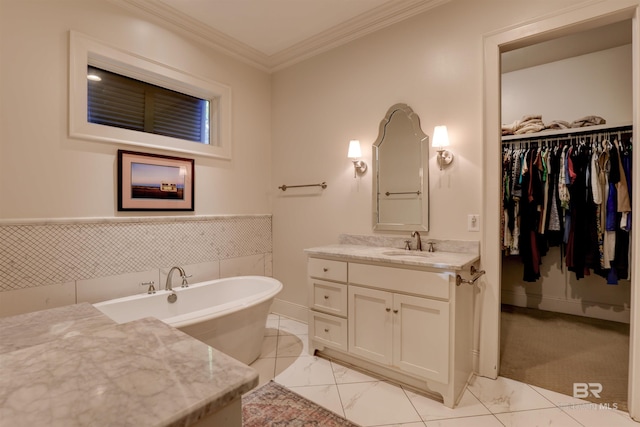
(141, 373)
(452, 261)
(127, 219)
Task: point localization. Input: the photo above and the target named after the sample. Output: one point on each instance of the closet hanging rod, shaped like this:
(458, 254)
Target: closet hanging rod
(567, 133)
(284, 187)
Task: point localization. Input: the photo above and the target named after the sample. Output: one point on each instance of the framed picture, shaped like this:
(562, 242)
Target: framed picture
(151, 182)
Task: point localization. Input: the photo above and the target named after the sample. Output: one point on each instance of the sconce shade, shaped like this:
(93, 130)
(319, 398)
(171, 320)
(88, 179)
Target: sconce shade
(359, 167)
(441, 140)
(440, 137)
(354, 149)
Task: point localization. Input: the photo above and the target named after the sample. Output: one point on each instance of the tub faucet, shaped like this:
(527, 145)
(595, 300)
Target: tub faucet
(418, 240)
(168, 286)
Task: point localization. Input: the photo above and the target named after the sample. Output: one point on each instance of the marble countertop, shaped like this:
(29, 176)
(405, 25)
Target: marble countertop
(88, 370)
(390, 255)
(39, 327)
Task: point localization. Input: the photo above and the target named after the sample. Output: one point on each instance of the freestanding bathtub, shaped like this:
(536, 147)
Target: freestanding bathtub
(229, 314)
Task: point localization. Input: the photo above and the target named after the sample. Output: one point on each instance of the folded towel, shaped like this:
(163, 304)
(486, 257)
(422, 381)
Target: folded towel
(559, 124)
(531, 117)
(588, 121)
(528, 124)
(530, 128)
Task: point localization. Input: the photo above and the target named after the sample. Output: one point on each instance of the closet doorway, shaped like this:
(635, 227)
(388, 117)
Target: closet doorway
(575, 20)
(565, 288)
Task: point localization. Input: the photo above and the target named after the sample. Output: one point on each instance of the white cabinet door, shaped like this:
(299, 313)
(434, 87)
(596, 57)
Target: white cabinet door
(421, 336)
(370, 324)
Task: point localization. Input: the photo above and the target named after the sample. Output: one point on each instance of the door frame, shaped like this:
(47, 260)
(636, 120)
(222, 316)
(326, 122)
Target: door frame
(593, 14)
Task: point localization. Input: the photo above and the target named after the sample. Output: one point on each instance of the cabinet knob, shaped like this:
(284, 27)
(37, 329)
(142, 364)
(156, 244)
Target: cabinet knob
(325, 269)
(388, 309)
(395, 311)
(326, 297)
(326, 329)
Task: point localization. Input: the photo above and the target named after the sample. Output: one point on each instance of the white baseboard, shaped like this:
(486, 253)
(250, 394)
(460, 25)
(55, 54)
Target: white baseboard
(291, 310)
(616, 313)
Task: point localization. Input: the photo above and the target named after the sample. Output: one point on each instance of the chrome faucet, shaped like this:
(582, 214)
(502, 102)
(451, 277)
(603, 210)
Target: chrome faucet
(184, 276)
(418, 240)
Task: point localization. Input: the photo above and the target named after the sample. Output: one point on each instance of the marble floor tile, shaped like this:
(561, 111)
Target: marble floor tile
(376, 403)
(269, 346)
(293, 346)
(303, 371)
(479, 421)
(345, 375)
(537, 417)
(293, 327)
(506, 395)
(268, 332)
(430, 409)
(594, 416)
(587, 413)
(419, 424)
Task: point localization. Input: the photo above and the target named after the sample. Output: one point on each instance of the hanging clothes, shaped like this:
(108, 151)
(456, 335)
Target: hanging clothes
(573, 193)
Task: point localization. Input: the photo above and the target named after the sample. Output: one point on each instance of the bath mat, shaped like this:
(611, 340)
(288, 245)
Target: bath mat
(274, 405)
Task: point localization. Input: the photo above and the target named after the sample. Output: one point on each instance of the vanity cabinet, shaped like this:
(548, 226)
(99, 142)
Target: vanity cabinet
(408, 332)
(410, 324)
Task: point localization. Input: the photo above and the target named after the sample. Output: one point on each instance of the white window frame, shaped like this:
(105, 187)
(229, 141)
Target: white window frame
(85, 51)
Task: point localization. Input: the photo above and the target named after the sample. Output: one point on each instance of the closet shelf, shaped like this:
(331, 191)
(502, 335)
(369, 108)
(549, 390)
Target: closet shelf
(567, 132)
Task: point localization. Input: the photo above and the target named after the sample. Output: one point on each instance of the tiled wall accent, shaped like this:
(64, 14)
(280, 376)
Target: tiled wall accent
(41, 253)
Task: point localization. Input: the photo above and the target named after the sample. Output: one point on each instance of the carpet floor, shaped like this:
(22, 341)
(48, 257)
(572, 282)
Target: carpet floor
(554, 351)
(274, 405)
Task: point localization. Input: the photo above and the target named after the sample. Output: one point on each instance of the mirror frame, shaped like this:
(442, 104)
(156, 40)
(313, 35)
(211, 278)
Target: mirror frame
(424, 190)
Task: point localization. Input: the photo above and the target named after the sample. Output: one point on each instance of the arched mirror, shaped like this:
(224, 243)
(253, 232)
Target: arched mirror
(401, 172)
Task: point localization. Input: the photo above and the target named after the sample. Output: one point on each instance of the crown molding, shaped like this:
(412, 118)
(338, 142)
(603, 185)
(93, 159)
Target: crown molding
(380, 17)
(366, 23)
(172, 18)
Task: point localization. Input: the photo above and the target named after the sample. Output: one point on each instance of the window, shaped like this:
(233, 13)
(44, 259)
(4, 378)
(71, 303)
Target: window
(119, 101)
(119, 97)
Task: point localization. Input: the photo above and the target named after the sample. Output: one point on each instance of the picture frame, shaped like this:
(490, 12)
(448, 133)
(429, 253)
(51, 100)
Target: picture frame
(153, 182)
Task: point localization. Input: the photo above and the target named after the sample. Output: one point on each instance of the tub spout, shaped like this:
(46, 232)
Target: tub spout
(168, 286)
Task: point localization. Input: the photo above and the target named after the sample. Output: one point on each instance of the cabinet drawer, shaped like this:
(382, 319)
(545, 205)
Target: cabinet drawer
(328, 269)
(424, 283)
(329, 330)
(329, 297)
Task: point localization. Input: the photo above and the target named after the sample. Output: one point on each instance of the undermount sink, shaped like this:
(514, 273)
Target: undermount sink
(406, 253)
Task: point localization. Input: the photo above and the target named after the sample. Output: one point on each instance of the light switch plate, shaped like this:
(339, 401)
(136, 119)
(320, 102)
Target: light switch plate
(473, 222)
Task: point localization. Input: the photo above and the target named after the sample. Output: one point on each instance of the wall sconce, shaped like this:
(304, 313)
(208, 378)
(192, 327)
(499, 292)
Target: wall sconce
(440, 140)
(354, 153)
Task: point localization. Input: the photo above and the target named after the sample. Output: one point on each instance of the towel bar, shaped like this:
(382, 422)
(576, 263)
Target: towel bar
(284, 187)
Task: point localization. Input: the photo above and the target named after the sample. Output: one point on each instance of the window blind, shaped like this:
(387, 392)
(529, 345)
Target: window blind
(124, 102)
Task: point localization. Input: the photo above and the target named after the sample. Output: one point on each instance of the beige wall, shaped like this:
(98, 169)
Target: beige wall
(434, 63)
(45, 174)
(598, 83)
